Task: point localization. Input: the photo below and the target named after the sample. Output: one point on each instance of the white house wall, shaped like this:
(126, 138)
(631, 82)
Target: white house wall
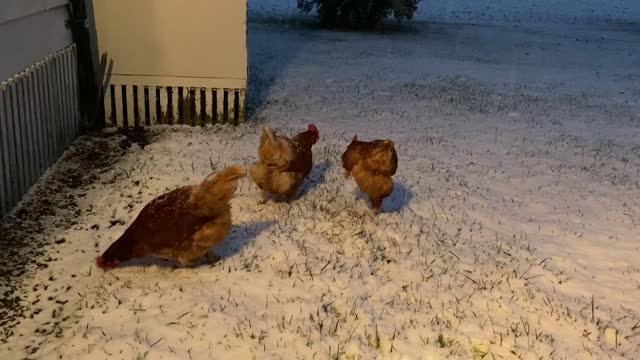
(29, 33)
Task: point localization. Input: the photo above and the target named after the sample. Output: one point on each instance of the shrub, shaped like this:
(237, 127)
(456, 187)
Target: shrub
(358, 14)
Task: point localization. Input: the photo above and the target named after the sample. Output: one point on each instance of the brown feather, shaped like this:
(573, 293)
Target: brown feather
(284, 163)
(180, 225)
(372, 164)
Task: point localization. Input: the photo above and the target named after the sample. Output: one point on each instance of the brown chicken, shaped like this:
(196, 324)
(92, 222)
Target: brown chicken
(372, 165)
(284, 163)
(181, 225)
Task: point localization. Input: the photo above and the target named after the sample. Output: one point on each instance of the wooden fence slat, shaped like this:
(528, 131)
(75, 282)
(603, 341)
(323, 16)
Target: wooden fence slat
(26, 121)
(24, 131)
(214, 106)
(185, 101)
(232, 106)
(5, 176)
(39, 116)
(55, 101)
(175, 103)
(142, 115)
(49, 112)
(54, 110)
(75, 91)
(153, 117)
(241, 104)
(12, 155)
(18, 150)
(66, 98)
(107, 107)
(204, 108)
(70, 86)
(197, 110)
(131, 118)
(163, 117)
(220, 107)
(30, 138)
(118, 97)
(59, 124)
(22, 126)
(36, 139)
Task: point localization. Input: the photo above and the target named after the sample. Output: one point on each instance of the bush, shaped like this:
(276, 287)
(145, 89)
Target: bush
(358, 14)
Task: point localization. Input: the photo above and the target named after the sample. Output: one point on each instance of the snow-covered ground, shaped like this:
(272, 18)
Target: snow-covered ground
(513, 231)
(547, 11)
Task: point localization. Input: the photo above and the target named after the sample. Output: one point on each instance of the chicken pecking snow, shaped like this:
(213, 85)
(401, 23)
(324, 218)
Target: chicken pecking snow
(372, 164)
(284, 163)
(181, 225)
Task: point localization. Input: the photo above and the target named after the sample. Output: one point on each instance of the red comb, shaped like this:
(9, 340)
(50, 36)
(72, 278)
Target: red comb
(355, 137)
(109, 265)
(314, 128)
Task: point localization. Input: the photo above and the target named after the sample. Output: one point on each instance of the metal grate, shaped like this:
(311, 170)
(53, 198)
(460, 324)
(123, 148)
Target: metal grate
(138, 105)
(39, 119)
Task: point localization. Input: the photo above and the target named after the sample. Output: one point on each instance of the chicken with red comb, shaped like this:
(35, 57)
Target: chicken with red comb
(180, 225)
(314, 129)
(284, 162)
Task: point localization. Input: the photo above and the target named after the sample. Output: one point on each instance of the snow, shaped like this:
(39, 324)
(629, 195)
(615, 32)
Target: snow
(512, 231)
(529, 11)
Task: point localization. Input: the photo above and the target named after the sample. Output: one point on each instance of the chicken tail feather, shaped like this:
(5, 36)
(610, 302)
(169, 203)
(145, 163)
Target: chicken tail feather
(213, 194)
(267, 133)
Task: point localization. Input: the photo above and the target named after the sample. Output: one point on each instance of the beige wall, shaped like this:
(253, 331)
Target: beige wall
(30, 30)
(171, 42)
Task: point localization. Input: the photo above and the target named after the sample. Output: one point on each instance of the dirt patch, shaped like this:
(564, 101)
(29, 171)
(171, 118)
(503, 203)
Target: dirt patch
(51, 204)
